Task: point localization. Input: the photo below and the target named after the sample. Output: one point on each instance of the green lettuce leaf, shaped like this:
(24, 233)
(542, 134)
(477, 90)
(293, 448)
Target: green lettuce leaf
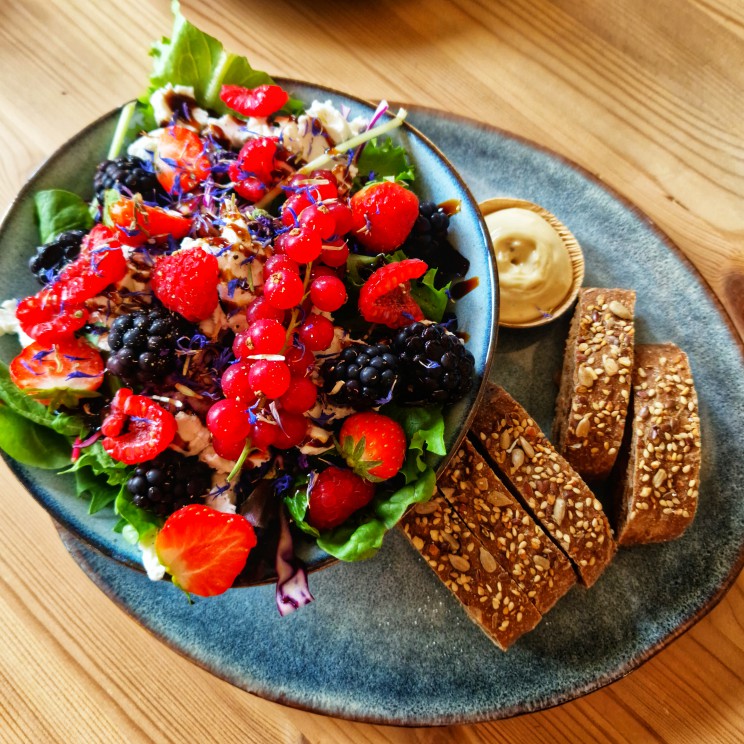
(96, 489)
(191, 57)
(142, 521)
(58, 210)
(380, 160)
(30, 443)
(297, 506)
(432, 301)
(102, 465)
(26, 407)
(424, 428)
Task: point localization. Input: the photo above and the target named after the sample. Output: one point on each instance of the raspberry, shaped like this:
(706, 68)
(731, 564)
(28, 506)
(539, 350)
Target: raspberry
(385, 297)
(186, 282)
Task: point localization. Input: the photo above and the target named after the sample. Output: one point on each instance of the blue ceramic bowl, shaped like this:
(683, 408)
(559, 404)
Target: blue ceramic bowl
(72, 168)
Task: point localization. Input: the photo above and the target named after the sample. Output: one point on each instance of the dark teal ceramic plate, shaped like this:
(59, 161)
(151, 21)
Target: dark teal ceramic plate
(72, 168)
(385, 641)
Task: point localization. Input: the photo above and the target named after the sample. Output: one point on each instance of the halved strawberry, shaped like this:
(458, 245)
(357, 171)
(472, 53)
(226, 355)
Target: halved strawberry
(203, 549)
(386, 297)
(138, 222)
(180, 161)
(72, 364)
(47, 318)
(137, 429)
(374, 446)
(261, 101)
(101, 262)
(383, 215)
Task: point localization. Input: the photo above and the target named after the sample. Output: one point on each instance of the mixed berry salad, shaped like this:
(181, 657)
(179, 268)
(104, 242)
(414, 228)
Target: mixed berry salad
(247, 333)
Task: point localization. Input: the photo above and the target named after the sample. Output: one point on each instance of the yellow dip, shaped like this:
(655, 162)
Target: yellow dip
(535, 273)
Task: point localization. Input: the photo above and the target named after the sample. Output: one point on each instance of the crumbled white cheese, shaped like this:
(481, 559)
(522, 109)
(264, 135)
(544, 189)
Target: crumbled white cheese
(220, 464)
(222, 497)
(334, 122)
(144, 147)
(9, 323)
(163, 112)
(154, 568)
(214, 324)
(192, 431)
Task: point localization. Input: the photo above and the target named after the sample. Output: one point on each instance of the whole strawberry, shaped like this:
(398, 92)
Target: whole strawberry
(374, 446)
(336, 494)
(203, 549)
(186, 282)
(383, 215)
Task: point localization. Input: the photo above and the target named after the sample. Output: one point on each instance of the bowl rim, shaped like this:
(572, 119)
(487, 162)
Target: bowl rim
(28, 189)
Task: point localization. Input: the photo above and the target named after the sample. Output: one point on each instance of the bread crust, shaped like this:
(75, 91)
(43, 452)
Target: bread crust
(549, 487)
(488, 594)
(592, 403)
(506, 530)
(657, 495)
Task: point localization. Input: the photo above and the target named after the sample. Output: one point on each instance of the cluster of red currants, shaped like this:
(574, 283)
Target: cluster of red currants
(268, 388)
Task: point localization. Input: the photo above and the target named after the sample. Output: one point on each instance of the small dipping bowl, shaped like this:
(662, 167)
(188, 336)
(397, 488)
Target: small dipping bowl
(575, 254)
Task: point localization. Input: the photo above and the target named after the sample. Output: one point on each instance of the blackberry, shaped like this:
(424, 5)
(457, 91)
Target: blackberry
(53, 256)
(368, 374)
(428, 241)
(129, 172)
(143, 345)
(435, 366)
(169, 482)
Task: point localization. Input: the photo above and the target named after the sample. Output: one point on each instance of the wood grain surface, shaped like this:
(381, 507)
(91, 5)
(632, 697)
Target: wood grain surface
(647, 95)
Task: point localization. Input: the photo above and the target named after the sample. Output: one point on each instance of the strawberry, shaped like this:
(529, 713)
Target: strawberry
(180, 161)
(383, 215)
(138, 222)
(149, 428)
(47, 318)
(386, 296)
(261, 101)
(186, 282)
(72, 364)
(374, 446)
(203, 549)
(101, 262)
(336, 494)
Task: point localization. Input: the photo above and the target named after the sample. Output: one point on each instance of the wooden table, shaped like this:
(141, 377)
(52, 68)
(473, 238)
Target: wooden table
(648, 95)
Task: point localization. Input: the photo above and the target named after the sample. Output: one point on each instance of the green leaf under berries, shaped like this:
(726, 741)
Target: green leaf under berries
(58, 211)
(297, 505)
(30, 443)
(99, 461)
(385, 159)
(432, 301)
(142, 521)
(95, 489)
(28, 408)
(193, 58)
(424, 428)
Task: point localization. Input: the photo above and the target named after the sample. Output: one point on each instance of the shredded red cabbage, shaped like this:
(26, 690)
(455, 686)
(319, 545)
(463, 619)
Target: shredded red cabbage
(292, 591)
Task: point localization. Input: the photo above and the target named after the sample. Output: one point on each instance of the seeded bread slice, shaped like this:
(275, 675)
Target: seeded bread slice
(592, 403)
(488, 594)
(506, 530)
(551, 489)
(658, 490)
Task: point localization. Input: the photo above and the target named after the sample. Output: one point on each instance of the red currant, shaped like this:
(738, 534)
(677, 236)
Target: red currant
(236, 385)
(251, 189)
(303, 245)
(228, 450)
(292, 208)
(270, 378)
(316, 217)
(342, 216)
(263, 435)
(300, 396)
(279, 261)
(261, 308)
(228, 420)
(335, 253)
(316, 333)
(328, 293)
(299, 361)
(292, 430)
(265, 336)
(283, 289)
